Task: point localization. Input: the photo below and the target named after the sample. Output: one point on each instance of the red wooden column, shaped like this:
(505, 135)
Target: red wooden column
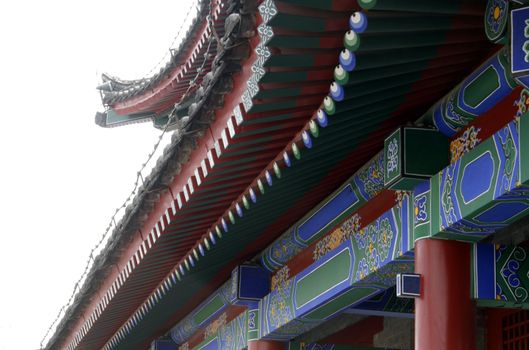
(265, 345)
(444, 314)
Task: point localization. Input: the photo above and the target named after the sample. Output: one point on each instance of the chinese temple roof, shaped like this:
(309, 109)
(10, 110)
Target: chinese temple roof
(299, 95)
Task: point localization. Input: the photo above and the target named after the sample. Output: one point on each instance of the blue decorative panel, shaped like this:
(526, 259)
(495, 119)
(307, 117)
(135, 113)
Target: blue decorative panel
(500, 275)
(165, 344)
(483, 271)
(481, 192)
(477, 177)
(212, 344)
(321, 218)
(520, 41)
(253, 282)
(501, 212)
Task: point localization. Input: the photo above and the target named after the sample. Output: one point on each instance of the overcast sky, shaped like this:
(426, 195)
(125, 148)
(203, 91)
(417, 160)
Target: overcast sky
(62, 176)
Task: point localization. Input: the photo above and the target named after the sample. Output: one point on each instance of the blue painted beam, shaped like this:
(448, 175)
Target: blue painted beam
(232, 336)
(480, 193)
(247, 285)
(361, 267)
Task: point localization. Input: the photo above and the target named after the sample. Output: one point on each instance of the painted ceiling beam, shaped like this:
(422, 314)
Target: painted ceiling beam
(363, 266)
(246, 286)
(410, 155)
(483, 191)
(232, 336)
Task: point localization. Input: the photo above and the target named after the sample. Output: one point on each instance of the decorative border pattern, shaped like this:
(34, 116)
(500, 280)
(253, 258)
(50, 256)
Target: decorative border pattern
(500, 275)
(376, 255)
(463, 104)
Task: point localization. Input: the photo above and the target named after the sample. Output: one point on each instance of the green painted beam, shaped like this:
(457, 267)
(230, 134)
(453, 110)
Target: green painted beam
(231, 336)
(364, 265)
(480, 193)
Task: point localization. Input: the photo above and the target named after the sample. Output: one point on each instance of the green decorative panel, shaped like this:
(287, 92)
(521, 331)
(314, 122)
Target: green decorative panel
(422, 211)
(356, 270)
(253, 324)
(496, 20)
(232, 336)
(211, 307)
(500, 275)
(247, 285)
(393, 157)
(412, 155)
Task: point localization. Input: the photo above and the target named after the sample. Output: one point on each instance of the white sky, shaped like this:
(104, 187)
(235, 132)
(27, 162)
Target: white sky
(62, 176)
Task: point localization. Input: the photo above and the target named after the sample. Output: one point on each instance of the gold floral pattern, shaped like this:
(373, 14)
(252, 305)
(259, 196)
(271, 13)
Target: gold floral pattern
(215, 326)
(464, 143)
(280, 278)
(522, 103)
(336, 237)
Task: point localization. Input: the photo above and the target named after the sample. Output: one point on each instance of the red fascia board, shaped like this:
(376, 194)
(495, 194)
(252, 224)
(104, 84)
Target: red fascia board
(188, 170)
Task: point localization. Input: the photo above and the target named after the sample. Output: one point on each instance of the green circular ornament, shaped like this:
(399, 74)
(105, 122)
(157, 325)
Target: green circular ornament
(277, 170)
(341, 76)
(260, 186)
(245, 202)
(367, 4)
(329, 106)
(314, 130)
(497, 20)
(351, 41)
(295, 150)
